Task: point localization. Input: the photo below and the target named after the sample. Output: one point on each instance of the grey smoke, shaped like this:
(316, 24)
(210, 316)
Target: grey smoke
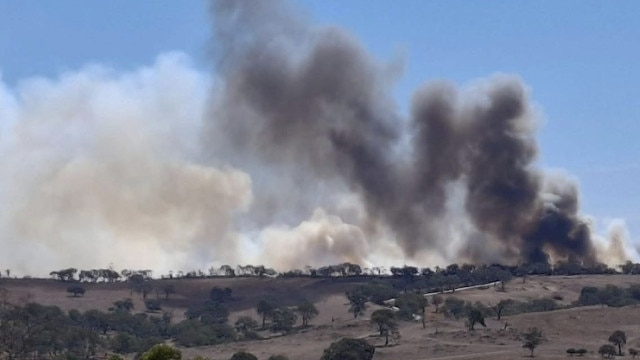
(313, 102)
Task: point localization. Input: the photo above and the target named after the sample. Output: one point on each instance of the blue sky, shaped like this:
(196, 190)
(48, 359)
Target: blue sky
(580, 59)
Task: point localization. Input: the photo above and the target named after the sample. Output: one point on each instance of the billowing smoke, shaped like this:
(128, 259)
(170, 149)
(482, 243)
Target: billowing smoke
(99, 168)
(293, 153)
(313, 101)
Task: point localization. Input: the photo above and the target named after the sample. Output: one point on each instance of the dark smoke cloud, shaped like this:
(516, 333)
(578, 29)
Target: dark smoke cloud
(313, 102)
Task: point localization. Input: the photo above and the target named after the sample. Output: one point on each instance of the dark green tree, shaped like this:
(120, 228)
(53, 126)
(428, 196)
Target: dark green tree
(349, 349)
(618, 338)
(501, 306)
(357, 302)
(76, 290)
(242, 355)
(532, 338)
(265, 309)
(283, 319)
(246, 327)
(385, 321)
(607, 351)
(307, 311)
(475, 317)
(162, 352)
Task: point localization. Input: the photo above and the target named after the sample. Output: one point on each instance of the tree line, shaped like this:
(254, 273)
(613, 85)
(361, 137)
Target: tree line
(465, 272)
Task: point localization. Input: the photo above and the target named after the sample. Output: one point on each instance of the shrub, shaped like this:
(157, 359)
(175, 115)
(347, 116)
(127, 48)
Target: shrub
(607, 350)
(349, 349)
(152, 305)
(76, 290)
(242, 355)
(162, 352)
(571, 351)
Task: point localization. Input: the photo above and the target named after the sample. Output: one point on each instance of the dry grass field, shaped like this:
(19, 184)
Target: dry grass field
(584, 327)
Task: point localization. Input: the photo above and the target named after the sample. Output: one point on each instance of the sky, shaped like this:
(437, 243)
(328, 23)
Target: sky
(578, 58)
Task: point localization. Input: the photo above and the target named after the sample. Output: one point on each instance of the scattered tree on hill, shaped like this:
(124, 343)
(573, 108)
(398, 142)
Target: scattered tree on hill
(475, 317)
(162, 352)
(265, 309)
(385, 321)
(246, 326)
(581, 351)
(76, 290)
(125, 305)
(168, 289)
(618, 338)
(411, 304)
(357, 302)
(633, 352)
(242, 355)
(349, 349)
(454, 307)
(283, 319)
(436, 300)
(152, 305)
(500, 306)
(607, 351)
(532, 338)
(504, 277)
(307, 312)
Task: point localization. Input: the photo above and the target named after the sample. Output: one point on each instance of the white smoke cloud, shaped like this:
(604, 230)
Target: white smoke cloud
(100, 167)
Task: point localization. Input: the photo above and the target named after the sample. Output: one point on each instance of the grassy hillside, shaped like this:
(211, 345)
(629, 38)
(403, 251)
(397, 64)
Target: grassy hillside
(443, 338)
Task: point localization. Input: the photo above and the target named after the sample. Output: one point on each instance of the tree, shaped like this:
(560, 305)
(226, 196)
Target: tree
(618, 338)
(349, 349)
(532, 338)
(385, 320)
(504, 277)
(607, 350)
(437, 301)
(500, 306)
(475, 317)
(168, 290)
(125, 305)
(242, 355)
(357, 302)
(246, 326)
(571, 351)
(283, 320)
(581, 352)
(162, 352)
(633, 352)
(307, 311)
(152, 305)
(76, 290)
(265, 309)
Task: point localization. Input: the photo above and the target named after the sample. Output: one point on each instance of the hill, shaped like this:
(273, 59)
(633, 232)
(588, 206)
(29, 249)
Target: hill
(443, 338)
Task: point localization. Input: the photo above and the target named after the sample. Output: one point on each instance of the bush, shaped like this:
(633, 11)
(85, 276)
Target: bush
(242, 355)
(349, 349)
(76, 290)
(571, 351)
(581, 352)
(607, 350)
(454, 307)
(162, 352)
(152, 305)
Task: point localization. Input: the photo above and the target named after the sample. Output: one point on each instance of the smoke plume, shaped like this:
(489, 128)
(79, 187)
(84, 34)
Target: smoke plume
(292, 153)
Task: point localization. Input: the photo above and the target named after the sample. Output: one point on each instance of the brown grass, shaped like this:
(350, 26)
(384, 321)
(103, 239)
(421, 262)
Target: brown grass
(586, 327)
